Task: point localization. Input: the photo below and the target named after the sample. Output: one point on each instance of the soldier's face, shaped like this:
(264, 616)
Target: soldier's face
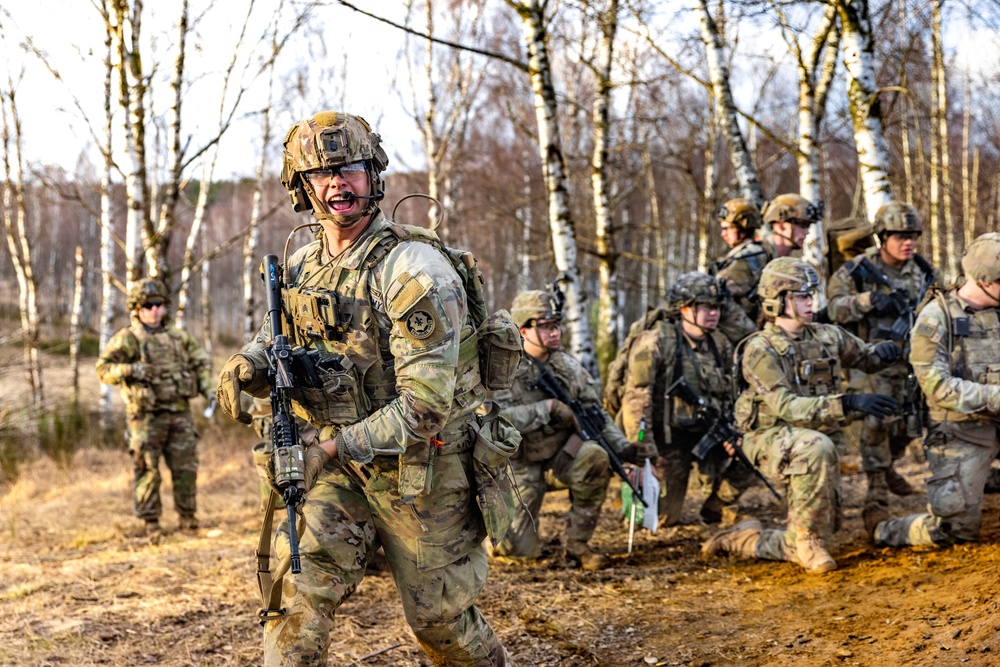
(800, 304)
(900, 247)
(703, 315)
(542, 337)
(730, 234)
(336, 189)
(152, 313)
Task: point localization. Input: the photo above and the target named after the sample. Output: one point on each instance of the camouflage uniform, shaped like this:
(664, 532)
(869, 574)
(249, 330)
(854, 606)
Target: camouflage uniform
(174, 369)
(955, 354)
(652, 360)
(850, 304)
(400, 371)
(263, 449)
(554, 458)
(789, 406)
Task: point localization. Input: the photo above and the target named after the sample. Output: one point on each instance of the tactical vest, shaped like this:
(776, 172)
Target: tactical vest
(812, 370)
(975, 349)
(544, 443)
(172, 380)
(870, 322)
(337, 311)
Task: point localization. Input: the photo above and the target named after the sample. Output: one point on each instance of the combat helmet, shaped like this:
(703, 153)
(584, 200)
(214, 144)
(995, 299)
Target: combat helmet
(144, 290)
(741, 213)
(329, 140)
(981, 260)
(792, 208)
(535, 305)
(896, 216)
(781, 275)
(692, 288)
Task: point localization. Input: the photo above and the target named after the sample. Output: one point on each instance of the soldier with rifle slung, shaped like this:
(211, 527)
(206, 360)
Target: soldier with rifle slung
(384, 317)
(874, 296)
(553, 455)
(739, 219)
(679, 342)
(791, 400)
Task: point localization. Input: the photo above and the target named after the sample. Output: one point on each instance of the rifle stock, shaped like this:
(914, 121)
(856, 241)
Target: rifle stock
(288, 457)
(590, 420)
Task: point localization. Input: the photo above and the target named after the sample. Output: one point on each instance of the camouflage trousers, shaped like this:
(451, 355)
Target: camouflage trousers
(959, 458)
(172, 436)
(721, 480)
(882, 441)
(806, 460)
(434, 551)
(585, 472)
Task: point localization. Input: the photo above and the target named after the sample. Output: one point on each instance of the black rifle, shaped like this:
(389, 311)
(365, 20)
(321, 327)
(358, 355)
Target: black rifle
(287, 459)
(590, 420)
(900, 328)
(720, 430)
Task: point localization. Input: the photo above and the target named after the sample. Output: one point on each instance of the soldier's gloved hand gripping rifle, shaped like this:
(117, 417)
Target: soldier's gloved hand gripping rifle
(287, 460)
(590, 420)
(720, 430)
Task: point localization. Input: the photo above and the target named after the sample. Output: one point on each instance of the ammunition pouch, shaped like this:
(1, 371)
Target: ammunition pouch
(496, 442)
(818, 377)
(990, 375)
(316, 314)
(337, 399)
(499, 342)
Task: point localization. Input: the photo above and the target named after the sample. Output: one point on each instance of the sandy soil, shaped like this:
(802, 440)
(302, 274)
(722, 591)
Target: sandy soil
(77, 589)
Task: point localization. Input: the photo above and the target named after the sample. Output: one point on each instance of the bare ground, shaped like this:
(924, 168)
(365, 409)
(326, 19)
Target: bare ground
(77, 589)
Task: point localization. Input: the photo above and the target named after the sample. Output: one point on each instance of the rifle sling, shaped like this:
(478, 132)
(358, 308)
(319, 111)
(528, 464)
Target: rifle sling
(268, 583)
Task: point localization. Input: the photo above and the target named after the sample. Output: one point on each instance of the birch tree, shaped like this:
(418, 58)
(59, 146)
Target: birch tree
(863, 98)
(561, 225)
(16, 233)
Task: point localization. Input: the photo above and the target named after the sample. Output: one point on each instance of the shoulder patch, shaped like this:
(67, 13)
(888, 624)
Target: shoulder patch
(420, 324)
(928, 330)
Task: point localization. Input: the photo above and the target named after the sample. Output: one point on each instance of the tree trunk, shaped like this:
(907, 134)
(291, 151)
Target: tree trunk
(107, 238)
(866, 113)
(556, 182)
(941, 127)
(74, 326)
(718, 71)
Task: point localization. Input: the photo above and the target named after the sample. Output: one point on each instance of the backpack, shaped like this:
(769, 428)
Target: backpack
(846, 239)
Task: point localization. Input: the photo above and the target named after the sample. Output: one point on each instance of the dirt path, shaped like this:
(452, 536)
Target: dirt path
(76, 589)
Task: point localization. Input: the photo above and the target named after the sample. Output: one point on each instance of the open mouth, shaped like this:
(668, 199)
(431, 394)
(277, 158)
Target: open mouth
(340, 205)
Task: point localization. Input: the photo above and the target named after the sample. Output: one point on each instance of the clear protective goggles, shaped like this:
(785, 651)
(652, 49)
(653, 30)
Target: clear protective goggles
(319, 176)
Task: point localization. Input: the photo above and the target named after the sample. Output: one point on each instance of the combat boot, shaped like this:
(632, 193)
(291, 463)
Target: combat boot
(993, 481)
(896, 483)
(740, 540)
(873, 514)
(878, 487)
(188, 523)
(811, 553)
(579, 551)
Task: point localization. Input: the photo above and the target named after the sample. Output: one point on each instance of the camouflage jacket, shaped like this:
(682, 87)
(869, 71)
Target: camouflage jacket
(797, 381)
(654, 362)
(527, 407)
(850, 294)
(955, 354)
(741, 267)
(397, 351)
(177, 369)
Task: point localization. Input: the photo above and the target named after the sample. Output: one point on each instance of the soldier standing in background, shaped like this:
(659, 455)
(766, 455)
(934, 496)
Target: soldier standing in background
(739, 220)
(552, 455)
(868, 307)
(955, 353)
(160, 368)
(791, 400)
(386, 312)
(790, 217)
(679, 341)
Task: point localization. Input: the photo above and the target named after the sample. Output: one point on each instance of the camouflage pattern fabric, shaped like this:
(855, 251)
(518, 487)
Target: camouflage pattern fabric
(159, 417)
(389, 319)
(789, 408)
(960, 377)
(881, 441)
(741, 268)
(172, 436)
(549, 459)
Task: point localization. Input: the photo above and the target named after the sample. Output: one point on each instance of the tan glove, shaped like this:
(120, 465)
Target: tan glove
(138, 372)
(561, 416)
(236, 374)
(316, 459)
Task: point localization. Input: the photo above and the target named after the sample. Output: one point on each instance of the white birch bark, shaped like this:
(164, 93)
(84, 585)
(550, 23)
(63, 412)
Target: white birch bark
(941, 127)
(718, 71)
(107, 240)
(561, 225)
(866, 114)
(74, 326)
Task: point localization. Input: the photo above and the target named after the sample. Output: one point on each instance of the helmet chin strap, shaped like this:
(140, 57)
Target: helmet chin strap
(982, 286)
(704, 331)
(319, 207)
(789, 239)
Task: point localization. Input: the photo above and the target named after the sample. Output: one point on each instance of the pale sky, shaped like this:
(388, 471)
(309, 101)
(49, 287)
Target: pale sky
(71, 34)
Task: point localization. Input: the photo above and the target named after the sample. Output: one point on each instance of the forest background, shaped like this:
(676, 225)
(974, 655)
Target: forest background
(588, 140)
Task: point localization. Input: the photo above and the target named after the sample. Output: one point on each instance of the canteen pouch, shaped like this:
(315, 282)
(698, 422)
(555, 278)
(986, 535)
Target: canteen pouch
(496, 442)
(499, 342)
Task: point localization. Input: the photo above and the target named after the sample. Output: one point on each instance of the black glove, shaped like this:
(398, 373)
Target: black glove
(883, 304)
(879, 405)
(888, 351)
